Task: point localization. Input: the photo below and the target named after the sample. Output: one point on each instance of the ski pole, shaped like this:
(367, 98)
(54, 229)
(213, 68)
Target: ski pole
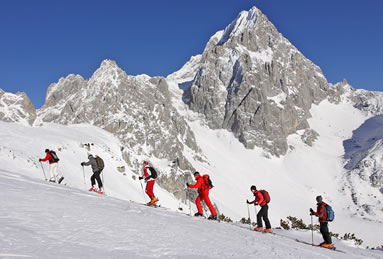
(248, 214)
(83, 173)
(312, 231)
(188, 194)
(143, 193)
(102, 180)
(45, 177)
(256, 212)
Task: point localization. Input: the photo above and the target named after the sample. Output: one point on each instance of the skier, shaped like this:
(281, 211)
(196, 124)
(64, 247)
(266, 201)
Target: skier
(321, 213)
(53, 162)
(203, 194)
(150, 181)
(261, 201)
(97, 170)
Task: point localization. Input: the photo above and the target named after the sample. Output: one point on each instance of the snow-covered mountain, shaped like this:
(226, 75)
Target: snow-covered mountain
(251, 109)
(16, 108)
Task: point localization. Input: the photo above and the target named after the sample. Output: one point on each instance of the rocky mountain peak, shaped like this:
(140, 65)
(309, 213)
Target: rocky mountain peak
(16, 108)
(245, 20)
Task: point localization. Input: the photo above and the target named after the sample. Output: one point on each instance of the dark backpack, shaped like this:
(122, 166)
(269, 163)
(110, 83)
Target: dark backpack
(208, 183)
(330, 213)
(153, 172)
(266, 196)
(100, 163)
(54, 156)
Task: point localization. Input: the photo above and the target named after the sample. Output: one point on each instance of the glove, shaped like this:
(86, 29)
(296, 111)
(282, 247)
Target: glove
(39, 159)
(311, 211)
(147, 178)
(140, 178)
(82, 164)
(187, 184)
(247, 201)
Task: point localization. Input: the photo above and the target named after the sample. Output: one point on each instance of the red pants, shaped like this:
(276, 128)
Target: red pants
(149, 189)
(205, 197)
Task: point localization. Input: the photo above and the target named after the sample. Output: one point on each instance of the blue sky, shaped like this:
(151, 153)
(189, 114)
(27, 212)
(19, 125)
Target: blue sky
(41, 41)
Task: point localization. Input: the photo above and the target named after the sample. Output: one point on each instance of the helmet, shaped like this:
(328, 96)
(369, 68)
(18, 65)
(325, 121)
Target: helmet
(319, 199)
(196, 173)
(46, 150)
(253, 188)
(146, 163)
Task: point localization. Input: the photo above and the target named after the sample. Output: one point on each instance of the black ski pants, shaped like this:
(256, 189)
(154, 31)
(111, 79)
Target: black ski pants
(96, 176)
(263, 213)
(325, 232)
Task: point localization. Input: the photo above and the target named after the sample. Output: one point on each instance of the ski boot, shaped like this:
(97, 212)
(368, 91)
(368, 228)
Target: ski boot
(52, 180)
(267, 230)
(61, 179)
(92, 189)
(321, 244)
(152, 202)
(211, 217)
(330, 246)
(258, 229)
(198, 214)
(100, 191)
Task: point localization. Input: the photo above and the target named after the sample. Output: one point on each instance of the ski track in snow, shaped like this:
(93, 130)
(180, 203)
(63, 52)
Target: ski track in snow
(43, 220)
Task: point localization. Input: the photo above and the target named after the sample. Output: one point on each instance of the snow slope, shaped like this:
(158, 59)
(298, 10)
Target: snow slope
(21, 147)
(55, 221)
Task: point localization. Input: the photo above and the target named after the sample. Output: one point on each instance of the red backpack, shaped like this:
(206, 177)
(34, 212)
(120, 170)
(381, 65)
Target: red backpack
(207, 182)
(266, 196)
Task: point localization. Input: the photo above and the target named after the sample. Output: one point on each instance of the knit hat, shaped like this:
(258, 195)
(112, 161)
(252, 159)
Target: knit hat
(195, 173)
(319, 199)
(46, 150)
(253, 188)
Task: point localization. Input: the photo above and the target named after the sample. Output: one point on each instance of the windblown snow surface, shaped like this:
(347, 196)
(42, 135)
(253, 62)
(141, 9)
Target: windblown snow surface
(43, 220)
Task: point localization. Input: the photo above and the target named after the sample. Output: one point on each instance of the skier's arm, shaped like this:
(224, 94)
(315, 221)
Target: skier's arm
(87, 163)
(47, 157)
(197, 184)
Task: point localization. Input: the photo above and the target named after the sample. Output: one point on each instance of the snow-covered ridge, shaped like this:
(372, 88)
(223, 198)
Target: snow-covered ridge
(16, 108)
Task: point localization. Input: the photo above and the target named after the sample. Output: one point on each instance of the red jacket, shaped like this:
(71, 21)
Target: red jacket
(49, 158)
(321, 212)
(259, 199)
(200, 184)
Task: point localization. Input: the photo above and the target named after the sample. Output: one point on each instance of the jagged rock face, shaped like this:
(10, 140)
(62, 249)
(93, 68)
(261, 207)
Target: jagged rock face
(16, 108)
(137, 109)
(255, 83)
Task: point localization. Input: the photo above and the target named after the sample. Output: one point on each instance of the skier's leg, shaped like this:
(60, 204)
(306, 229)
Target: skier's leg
(265, 216)
(98, 179)
(325, 232)
(51, 174)
(93, 179)
(322, 230)
(149, 189)
(205, 197)
(54, 170)
(259, 218)
(198, 204)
